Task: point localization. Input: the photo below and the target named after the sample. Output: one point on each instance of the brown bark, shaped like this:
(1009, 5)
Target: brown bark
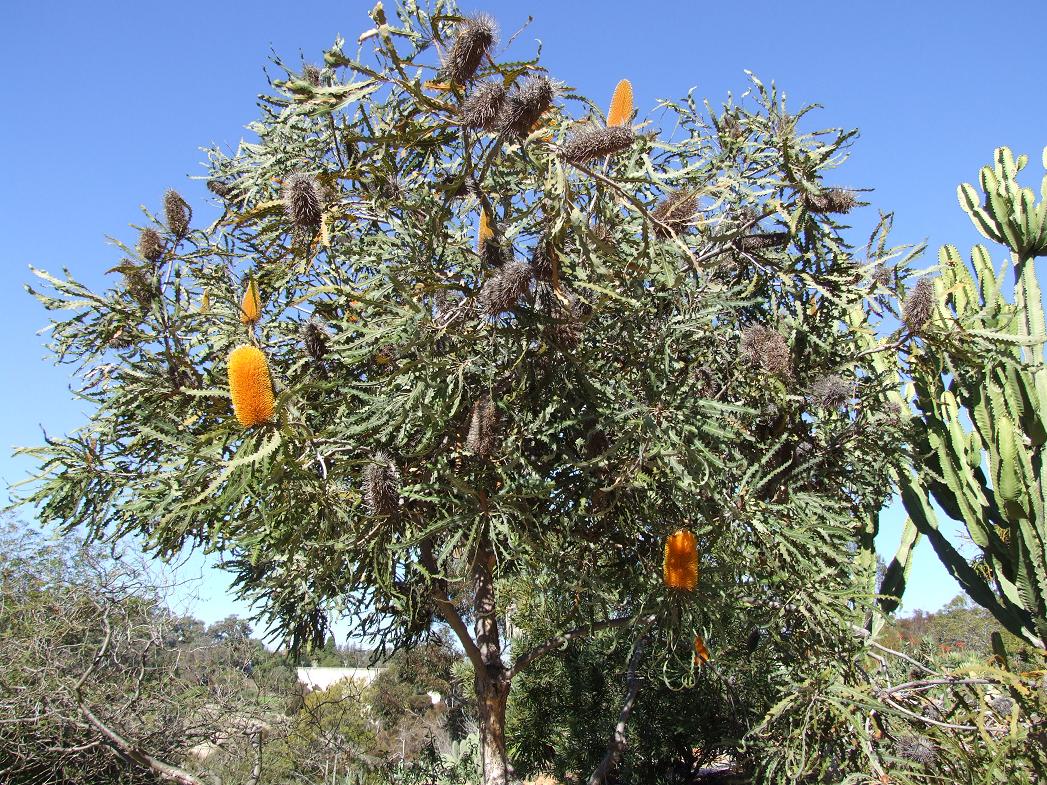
(492, 681)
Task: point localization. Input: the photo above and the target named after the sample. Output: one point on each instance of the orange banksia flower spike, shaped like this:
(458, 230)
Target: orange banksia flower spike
(250, 386)
(251, 306)
(621, 104)
(485, 233)
(701, 651)
(680, 567)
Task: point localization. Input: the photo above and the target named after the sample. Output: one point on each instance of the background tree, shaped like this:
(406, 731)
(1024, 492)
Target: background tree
(100, 683)
(355, 386)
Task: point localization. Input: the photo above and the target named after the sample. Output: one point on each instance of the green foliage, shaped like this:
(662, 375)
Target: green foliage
(980, 390)
(961, 632)
(884, 718)
(561, 711)
(88, 628)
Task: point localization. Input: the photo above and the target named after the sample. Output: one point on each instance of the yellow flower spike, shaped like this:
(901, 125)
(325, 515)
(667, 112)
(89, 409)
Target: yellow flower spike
(250, 386)
(251, 307)
(701, 651)
(621, 104)
(680, 568)
(485, 233)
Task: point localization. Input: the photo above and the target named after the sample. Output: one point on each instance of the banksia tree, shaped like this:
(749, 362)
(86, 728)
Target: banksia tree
(701, 651)
(501, 291)
(674, 212)
(831, 200)
(488, 382)
(524, 106)
(315, 338)
(381, 485)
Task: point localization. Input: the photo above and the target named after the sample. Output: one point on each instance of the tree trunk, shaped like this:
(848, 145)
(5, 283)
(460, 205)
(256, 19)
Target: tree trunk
(492, 683)
(491, 700)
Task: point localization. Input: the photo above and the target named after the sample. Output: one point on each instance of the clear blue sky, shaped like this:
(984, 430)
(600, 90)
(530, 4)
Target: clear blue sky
(107, 104)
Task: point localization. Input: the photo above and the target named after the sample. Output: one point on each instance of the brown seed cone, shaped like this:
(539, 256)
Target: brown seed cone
(315, 338)
(140, 286)
(482, 438)
(831, 392)
(833, 200)
(596, 142)
(675, 211)
(523, 107)
(381, 485)
(916, 748)
(476, 36)
(767, 348)
(492, 254)
(483, 106)
(762, 242)
(224, 190)
(567, 317)
(919, 305)
(177, 213)
(542, 259)
(881, 275)
(150, 245)
(312, 74)
(302, 201)
(501, 291)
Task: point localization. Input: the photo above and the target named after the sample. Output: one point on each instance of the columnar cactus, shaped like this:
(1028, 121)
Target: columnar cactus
(980, 390)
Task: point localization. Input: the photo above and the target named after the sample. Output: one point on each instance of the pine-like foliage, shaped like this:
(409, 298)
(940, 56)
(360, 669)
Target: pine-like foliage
(434, 355)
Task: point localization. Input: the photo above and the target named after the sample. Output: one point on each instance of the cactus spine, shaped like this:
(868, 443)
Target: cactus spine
(980, 429)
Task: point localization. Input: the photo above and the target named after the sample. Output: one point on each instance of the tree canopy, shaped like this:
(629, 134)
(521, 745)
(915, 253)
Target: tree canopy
(461, 352)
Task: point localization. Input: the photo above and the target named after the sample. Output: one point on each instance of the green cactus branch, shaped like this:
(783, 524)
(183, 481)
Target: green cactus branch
(979, 385)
